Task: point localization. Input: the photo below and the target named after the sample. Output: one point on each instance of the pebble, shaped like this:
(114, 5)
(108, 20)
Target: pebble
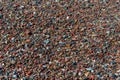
(13, 39)
(21, 6)
(13, 61)
(46, 41)
(89, 69)
(79, 73)
(67, 17)
(60, 42)
(118, 71)
(14, 76)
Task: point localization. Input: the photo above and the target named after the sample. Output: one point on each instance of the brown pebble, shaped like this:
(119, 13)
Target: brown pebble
(28, 40)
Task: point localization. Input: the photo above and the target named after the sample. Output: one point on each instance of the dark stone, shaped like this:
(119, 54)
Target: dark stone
(74, 63)
(30, 33)
(72, 42)
(1, 16)
(84, 40)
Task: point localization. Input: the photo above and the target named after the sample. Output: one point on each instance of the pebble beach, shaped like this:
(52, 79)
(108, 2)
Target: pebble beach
(59, 39)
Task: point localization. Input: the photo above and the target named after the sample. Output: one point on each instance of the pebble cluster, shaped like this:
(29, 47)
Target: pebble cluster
(59, 39)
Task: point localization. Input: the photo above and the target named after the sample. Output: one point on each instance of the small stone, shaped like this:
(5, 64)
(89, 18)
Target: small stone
(74, 63)
(58, 49)
(44, 66)
(79, 73)
(25, 45)
(14, 76)
(34, 12)
(1, 16)
(92, 71)
(74, 73)
(89, 69)
(13, 39)
(87, 73)
(28, 72)
(46, 41)
(118, 71)
(67, 17)
(50, 62)
(28, 40)
(84, 40)
(108, 32)
(74, 38)
(2, 65)
(13, 61)
(30, 33)
(63, 69)
(60, 42)
(93, 34)
(20, 69)
(67, 45)
(35, 49)
(21, 6)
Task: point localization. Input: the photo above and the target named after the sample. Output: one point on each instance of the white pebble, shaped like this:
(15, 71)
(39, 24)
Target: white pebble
(63, 69)
(79, 73)
(21, 6)
(34, 12)
(67, 17)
